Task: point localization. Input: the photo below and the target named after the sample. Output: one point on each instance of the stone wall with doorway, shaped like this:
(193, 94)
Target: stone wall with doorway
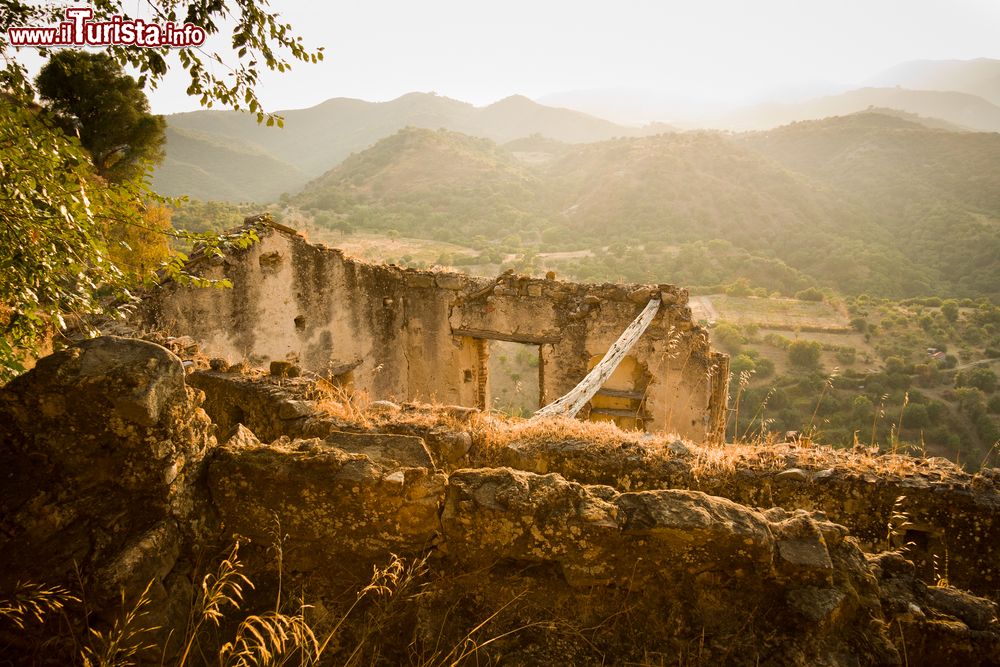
(405, 334)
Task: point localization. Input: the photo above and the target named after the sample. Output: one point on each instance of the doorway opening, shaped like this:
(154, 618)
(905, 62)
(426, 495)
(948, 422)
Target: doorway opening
(514, 377)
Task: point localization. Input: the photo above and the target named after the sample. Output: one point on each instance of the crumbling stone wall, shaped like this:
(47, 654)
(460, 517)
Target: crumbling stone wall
(406, 334)
(946, 518)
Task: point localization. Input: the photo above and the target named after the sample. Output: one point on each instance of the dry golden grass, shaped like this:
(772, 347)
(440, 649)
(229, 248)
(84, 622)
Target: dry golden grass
(129, 636)
(492, 431)
(33, 602)
(773, 457)
(358, 410)
(271, 637)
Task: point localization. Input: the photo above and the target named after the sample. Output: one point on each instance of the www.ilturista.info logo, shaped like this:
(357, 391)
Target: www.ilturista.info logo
(79, 30)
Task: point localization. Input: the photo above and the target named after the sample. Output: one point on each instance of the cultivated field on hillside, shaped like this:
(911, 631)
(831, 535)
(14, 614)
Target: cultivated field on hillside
(772, 313)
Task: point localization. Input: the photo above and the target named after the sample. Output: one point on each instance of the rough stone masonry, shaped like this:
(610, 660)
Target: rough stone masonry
(404, 334)
(113, 484)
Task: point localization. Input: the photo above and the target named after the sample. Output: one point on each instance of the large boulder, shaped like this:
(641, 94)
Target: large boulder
(98, 444)
(935, 625)
(99, 447)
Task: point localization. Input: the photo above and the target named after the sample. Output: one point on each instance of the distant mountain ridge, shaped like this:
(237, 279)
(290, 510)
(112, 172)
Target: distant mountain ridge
(214, 167)
(958, 108)
(980, 77)
(225, 155)
(318, 138)
(965, 93)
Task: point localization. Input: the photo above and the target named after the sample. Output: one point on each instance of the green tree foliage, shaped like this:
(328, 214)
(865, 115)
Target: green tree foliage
(141, 246)
(62, 226)
(980, 377)
(345, 228)
(90, 95)
(765, 367)
(742, 363)
(862, 408)
(259, 39)
(740, 288)
(949, 309)
(911, 218)
(915, 416)
(70, 242)
(809, 294)
(804, 353)
(971, 401)
(728, 337)
(208, 216)
(846, 356)
(54, 250)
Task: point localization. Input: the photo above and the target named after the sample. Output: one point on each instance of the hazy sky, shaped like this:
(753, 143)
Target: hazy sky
(727, 50)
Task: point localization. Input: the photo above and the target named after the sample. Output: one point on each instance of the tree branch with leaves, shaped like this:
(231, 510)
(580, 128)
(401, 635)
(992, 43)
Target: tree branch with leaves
(74, 189)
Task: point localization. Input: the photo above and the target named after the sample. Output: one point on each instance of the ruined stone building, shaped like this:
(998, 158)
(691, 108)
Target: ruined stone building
(404, 334)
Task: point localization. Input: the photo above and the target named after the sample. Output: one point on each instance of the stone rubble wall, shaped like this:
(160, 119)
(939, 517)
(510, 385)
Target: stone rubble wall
(951, 529)
(131, 485)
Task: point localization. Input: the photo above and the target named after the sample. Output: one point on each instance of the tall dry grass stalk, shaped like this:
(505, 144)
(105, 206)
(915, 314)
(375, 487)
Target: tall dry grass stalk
(270, 639)
(219, 590)
(827, 386)
(894, 433)
(128, 636)
(744, 377)
(472, 643)
(277, 638)
(764, 422)
(31, 602)
(899, 520)
(337, 401)
(878, 413)
(989, 453)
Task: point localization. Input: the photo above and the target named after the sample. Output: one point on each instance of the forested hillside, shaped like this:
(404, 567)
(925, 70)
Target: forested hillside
(209, 167)
(936, 193)
(862, 203)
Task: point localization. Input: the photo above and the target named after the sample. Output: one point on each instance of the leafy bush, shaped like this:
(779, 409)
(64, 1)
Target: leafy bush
(980, 377)
(846, 355)
(809, 294)
(804, 353)
(915, 416)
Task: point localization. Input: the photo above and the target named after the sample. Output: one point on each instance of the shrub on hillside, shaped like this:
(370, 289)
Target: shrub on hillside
(809, 294)
(980, 377)
(804, 353)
